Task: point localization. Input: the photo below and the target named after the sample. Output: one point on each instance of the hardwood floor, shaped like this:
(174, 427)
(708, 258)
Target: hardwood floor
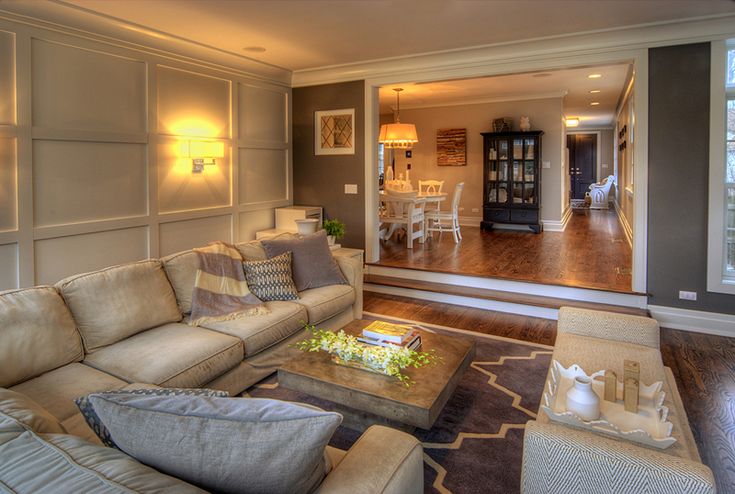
(703, 365)
(591, 253)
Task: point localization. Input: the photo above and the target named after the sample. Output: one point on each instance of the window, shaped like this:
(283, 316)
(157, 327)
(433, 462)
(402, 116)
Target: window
(721, 251)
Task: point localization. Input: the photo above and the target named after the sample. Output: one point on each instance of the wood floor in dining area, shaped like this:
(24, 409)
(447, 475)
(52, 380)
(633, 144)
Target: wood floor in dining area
(703, 366)
(591, 253)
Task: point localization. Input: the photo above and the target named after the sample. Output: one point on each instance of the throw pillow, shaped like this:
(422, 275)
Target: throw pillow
(313, 263)
(94, 422)
(271, 279)
(222, 445)
(28, 412)
(220, 290)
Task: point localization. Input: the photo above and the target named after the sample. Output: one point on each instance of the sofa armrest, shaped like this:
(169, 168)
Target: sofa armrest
(382, 461)
(609, 326)
(560, 459)
(352, 270)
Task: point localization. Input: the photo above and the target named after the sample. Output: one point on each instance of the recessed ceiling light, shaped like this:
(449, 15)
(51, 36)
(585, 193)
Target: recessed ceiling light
(594, 103)
(594, 76)
(542, 74)
(594, 91)
(572, 122)
(254, 49)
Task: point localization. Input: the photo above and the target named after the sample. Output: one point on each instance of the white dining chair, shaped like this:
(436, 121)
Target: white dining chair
(429, 188)
(439, 221)
(403, 209)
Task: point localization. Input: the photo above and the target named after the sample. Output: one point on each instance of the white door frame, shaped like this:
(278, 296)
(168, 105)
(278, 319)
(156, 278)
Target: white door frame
(517, 64)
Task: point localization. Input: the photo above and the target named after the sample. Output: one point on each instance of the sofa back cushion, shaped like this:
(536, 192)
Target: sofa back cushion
(111, 304)
(26, 411)
(181, 269)
(37, 334)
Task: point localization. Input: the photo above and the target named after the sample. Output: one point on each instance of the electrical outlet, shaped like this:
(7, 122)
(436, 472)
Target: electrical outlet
(687, 295)
(350, 188)
(603, 166)
(546, 164)
(475, 210)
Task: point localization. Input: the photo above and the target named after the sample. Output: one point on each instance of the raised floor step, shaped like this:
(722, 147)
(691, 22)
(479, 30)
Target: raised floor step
(496, 295)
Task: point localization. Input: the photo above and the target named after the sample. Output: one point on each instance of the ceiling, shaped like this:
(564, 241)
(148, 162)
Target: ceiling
(306, 34)
(572, 84)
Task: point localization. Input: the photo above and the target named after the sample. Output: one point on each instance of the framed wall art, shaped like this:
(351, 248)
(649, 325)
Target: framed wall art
(334, 132)
(451, 147)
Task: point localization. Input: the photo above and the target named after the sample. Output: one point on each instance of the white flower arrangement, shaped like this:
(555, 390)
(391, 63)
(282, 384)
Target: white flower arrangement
(385, 360)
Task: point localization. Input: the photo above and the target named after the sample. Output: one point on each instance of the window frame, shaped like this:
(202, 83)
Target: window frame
(717, 279)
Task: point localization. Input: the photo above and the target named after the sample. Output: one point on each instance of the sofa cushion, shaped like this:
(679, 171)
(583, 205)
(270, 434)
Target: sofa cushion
(37, 334)
(263, 331)
(34, 463)
(252, 251)
(271, 279)
(181, 269)
(173, 355)
(111, 304)
(96, 425)
(56, 390)
(313, 263)
(28, 412)
(223, 444)
(327, 301)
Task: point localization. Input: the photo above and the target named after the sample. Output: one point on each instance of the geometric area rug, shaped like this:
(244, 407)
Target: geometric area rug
(476, 443)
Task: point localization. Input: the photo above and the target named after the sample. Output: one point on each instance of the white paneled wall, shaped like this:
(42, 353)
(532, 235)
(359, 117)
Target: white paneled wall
(91, 165)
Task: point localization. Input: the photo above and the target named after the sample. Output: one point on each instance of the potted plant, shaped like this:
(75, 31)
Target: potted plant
(335, 230)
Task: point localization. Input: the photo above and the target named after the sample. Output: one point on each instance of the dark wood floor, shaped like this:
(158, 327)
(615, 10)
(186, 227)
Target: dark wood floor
(703, 365)
(592, 253)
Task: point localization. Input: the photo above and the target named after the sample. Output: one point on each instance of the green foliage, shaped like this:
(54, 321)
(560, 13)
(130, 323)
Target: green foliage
(334, 227)
(387, 360)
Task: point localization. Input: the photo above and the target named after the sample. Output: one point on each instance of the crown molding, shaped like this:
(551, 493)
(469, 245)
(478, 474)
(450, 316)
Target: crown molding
(57, 16)
(480, 101)
(569, 46)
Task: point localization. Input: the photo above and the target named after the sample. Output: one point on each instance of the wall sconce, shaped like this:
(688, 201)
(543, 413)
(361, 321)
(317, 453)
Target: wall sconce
(202, 153)
(572, 122)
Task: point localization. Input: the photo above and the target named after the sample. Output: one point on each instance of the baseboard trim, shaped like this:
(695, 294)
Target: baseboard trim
(624, 223)
(696, 321)
(494, 305)
(558, 226)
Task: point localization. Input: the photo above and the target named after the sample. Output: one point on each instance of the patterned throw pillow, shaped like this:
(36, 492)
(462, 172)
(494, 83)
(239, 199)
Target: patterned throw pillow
(271, 279)
(94, 422)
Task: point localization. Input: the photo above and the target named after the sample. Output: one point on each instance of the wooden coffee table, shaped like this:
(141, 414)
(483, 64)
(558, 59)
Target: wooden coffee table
(315, 374)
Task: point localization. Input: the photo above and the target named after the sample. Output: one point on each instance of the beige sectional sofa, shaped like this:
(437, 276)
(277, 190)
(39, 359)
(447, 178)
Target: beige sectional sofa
(561, 459)
(125, 325)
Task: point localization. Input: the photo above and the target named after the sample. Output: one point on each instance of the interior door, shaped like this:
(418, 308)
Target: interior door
(582, 163)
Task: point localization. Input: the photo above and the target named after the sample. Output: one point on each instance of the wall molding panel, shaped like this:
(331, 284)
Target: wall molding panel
(92, 167)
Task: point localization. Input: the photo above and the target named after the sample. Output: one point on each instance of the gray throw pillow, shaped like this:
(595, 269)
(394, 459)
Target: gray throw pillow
(271, 279)
(222, 444)
(313, 263)
(94, 422)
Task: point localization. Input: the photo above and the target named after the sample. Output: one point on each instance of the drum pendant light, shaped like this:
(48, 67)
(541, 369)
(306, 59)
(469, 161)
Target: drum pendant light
(398, 135)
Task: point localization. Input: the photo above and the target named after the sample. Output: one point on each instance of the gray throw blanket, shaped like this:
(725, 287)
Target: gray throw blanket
(220, 290)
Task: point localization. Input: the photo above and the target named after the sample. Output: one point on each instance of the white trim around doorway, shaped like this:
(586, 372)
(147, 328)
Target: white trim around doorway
(566, 57)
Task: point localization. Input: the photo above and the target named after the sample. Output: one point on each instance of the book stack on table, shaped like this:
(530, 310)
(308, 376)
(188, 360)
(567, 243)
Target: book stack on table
(381, 333)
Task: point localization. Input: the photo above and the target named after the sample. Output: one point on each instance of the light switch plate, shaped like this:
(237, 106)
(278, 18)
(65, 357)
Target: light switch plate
(350, 188)
(546, 164)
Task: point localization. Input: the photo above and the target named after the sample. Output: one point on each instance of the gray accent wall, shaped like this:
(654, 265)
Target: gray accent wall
(320, 180)
(678, 174)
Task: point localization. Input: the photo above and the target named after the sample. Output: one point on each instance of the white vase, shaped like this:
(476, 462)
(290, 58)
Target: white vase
(331, 239)
(582, 399)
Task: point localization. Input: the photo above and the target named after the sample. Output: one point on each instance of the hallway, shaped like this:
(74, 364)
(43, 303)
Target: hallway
(591, 253)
